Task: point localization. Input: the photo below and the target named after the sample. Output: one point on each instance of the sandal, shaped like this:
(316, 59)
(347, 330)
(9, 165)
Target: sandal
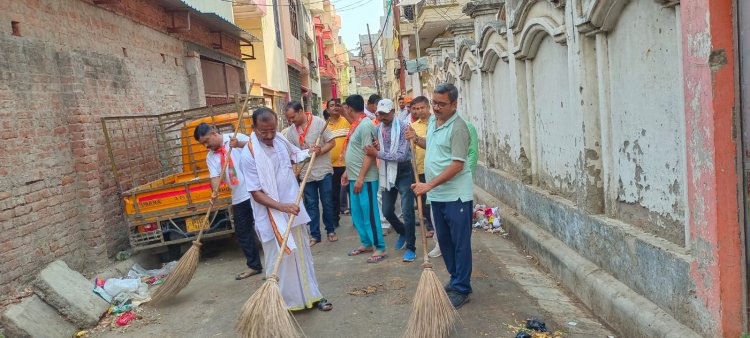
(332, 237)
(359, 251)
(313, 242)
(325, 305)
(246, 274)
(376, 258)
(346, 212)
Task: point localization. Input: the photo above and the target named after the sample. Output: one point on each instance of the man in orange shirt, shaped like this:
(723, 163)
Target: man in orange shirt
(339, 127)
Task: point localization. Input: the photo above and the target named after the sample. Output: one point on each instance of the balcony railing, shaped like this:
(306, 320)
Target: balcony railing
(434, 3)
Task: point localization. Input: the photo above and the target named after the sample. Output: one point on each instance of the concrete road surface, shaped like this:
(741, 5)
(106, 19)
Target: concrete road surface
(508, 288)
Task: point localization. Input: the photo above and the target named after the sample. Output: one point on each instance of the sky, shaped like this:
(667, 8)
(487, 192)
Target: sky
(355, 15)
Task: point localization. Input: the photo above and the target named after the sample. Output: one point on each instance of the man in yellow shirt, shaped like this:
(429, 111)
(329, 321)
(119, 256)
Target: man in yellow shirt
(420, 109)
(339, 127)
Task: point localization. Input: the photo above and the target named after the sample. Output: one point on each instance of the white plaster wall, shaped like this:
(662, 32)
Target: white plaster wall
(475, 112)
(647, 116)
(506, 120)
(558, 129)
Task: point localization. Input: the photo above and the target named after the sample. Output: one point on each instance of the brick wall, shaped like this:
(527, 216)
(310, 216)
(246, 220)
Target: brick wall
(74, 63)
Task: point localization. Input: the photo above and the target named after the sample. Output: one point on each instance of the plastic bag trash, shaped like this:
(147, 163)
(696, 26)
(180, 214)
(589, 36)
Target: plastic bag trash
(123, 290)
(536, 325)
(100, 291)
(138, 271)
(126, 318)
(572, 323)
(522, 334)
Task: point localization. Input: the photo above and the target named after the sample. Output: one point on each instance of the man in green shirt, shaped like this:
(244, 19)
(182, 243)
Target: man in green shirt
(362, 176)
(449, 188)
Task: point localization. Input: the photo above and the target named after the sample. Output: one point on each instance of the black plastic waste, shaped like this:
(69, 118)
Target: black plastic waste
(536, 325)
(522, 334)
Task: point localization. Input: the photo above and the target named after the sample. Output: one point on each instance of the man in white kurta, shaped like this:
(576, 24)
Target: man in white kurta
(267, 165)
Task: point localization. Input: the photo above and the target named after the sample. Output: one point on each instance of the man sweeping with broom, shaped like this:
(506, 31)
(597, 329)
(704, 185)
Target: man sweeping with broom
(449, 188)
(266, 163)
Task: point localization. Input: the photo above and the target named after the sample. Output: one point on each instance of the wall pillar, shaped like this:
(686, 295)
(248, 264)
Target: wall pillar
(708, 65)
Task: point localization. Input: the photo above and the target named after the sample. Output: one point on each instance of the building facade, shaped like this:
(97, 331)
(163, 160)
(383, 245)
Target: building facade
(101, 59)
(608, 137)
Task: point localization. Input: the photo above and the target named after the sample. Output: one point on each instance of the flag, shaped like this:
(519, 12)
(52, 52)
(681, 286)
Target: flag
(395, 40)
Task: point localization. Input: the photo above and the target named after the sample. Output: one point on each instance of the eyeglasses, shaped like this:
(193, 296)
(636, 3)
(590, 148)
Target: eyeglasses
(439, 104)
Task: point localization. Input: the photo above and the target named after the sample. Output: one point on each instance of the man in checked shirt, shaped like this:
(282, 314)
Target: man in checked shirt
(396, 175)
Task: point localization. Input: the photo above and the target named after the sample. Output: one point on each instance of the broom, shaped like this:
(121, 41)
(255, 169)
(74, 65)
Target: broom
(183, 272)
(265, 313)
(432, 314)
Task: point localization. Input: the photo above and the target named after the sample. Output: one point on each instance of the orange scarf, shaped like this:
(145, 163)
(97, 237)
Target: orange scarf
(231, 171)
(349, 135)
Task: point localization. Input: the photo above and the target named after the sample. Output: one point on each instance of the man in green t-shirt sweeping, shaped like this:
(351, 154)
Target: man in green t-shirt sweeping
(449, 188)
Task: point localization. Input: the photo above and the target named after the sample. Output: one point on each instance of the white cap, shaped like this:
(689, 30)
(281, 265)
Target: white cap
(384, 106)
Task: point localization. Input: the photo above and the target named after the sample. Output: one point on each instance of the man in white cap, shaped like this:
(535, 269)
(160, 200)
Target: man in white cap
(396, 175)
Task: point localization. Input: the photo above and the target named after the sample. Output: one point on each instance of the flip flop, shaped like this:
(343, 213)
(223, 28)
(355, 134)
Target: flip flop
(313, 242)
(332, 237)
(246, 274)
(358, 251)
(325, 305)
(376, 258)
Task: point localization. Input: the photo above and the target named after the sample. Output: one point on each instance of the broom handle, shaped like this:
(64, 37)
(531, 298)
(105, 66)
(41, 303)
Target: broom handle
(427, 263)
(226, 163)
(293, 216)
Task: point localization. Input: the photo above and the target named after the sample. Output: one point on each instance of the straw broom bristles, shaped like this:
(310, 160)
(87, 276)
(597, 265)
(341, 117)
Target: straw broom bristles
(265, 314)
(182, 274)
(432, 314)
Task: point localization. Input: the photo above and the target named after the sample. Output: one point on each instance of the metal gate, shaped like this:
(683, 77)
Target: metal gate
(295, 85)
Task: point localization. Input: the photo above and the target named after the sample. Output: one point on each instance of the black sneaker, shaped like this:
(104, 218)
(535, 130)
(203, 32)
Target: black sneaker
(448, 287)
(458, 299)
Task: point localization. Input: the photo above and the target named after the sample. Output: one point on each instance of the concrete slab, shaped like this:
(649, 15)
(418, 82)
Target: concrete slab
(70, 293)
(32, 317)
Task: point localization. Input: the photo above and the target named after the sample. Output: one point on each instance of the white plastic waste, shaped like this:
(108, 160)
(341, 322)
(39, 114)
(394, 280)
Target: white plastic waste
(138, 271)
(123, 290)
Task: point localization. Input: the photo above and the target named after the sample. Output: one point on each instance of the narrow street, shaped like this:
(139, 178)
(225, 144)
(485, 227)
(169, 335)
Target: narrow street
(508, 288)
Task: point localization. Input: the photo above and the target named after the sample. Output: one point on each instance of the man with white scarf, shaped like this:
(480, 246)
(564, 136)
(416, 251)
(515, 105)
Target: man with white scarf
(266, 162)
(396, 175)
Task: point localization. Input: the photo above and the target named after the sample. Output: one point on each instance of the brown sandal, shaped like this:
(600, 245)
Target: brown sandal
(332, 237)
(246, 274)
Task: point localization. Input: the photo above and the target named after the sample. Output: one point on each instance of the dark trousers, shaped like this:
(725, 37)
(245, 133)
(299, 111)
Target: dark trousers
(404, 180)
(336, 192)
(452, 221)
(244, 229)
(426, 215)
(316, 193)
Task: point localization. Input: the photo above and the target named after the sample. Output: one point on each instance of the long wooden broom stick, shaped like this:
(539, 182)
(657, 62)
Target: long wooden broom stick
(432, 314)
(265, 314)
(183, 272)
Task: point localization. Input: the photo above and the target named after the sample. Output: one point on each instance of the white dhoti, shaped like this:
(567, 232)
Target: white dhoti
(297, 281)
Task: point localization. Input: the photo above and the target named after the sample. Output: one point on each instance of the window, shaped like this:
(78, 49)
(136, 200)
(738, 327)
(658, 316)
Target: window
(293, 18)
(276, 22)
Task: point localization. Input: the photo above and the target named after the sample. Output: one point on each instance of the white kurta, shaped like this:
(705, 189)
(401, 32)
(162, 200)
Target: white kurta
(297, 281)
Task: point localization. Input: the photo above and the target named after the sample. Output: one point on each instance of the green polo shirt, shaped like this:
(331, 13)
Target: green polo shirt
(445, 144)
(355, 151)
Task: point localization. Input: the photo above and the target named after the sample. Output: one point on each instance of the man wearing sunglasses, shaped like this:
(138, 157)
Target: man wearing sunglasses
(449, 188)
